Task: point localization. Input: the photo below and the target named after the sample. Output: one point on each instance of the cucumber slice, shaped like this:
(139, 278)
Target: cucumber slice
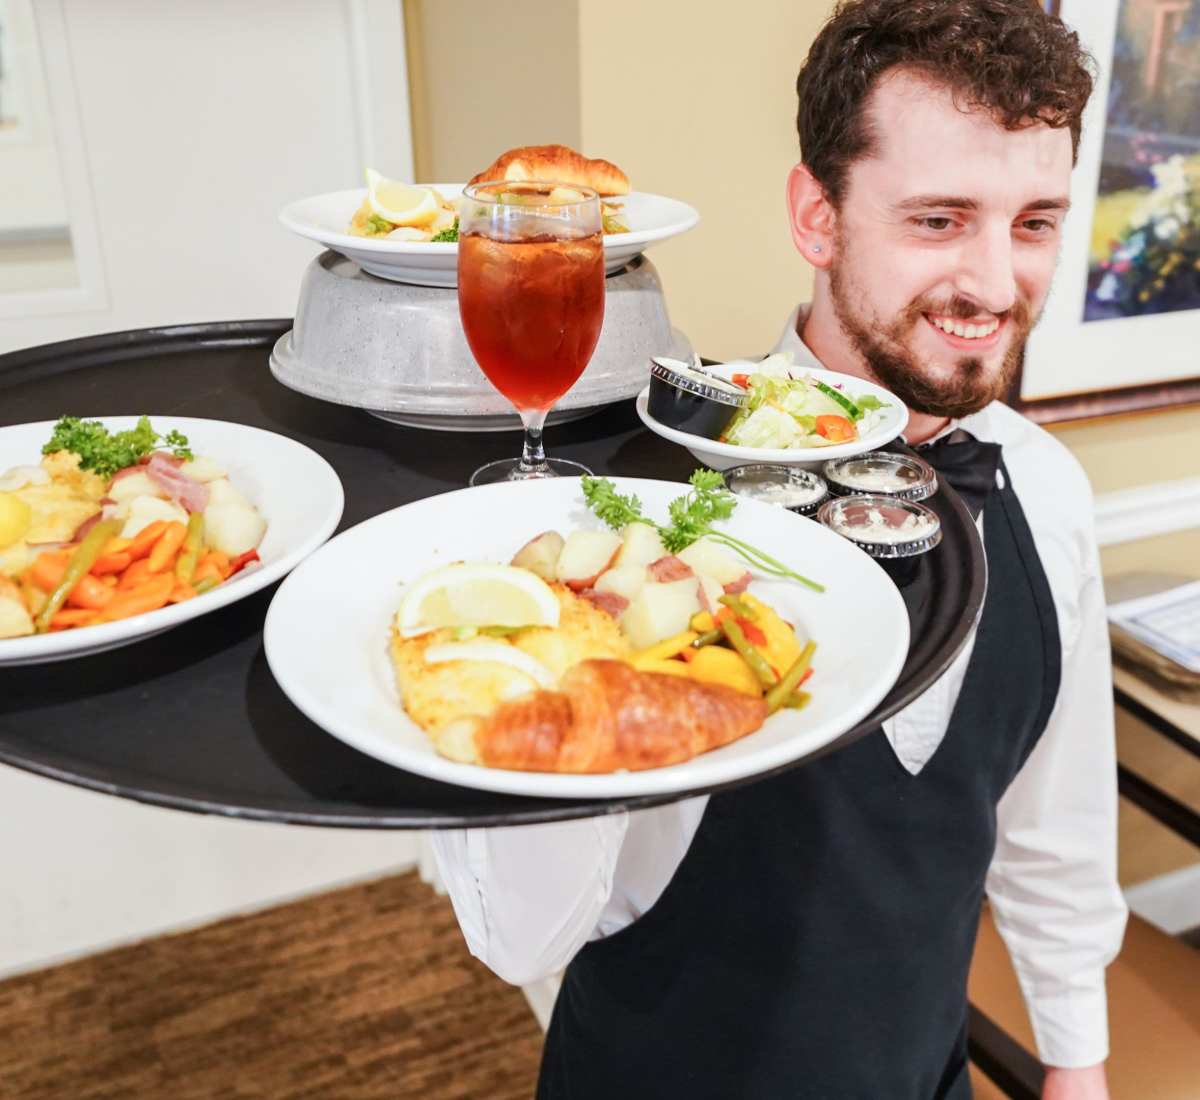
(852, 410)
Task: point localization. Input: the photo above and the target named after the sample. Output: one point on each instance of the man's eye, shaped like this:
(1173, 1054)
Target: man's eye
(1038, 225)
(936, 223)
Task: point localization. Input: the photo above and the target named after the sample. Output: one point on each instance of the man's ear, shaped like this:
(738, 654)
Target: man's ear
(811, 216)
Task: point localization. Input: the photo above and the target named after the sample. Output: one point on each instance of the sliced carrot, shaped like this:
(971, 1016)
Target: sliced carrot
(111, 563)
(143, 542)
(136, 574)
(169, 542)
(64, 620)
(116, 545)
(90, 594)
(182, 592)
(47, 569)
(109, 579)
(148, 596)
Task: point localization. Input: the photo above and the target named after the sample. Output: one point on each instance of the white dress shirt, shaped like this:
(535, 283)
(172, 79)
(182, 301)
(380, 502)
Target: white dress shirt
(529, 897)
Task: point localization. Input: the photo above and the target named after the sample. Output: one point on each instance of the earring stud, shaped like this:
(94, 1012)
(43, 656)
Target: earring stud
(816, 248)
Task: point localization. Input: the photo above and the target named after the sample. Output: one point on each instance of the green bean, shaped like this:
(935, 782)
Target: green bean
(752, 657)
(707, 638)
(189, 554)
(782, 691)
(78, 567)
(206, 585)
(738, 606)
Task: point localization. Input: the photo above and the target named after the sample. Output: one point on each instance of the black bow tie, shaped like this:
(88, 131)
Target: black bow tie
(967, 464)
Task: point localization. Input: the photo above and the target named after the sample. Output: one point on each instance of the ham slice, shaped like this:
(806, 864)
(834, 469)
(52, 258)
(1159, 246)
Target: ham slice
(740, 585)
(163, 470)
(669, 569)
(609, 602)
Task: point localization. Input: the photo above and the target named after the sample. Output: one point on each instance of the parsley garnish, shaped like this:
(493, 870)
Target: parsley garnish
(692, 516)
(106, 452)
(449, 236)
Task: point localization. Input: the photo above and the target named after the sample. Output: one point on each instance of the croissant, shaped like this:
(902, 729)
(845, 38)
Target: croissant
(556, 163)
(606, 715)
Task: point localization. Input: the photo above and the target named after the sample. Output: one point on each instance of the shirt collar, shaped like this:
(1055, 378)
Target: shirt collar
(802, 356)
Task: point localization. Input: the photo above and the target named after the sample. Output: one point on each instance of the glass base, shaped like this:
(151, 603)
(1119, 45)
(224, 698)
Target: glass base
(510, 469)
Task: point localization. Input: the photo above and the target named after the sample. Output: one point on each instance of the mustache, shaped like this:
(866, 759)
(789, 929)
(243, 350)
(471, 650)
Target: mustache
(963, 309)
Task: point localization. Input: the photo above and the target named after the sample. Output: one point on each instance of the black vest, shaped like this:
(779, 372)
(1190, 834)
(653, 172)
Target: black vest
(815, 941)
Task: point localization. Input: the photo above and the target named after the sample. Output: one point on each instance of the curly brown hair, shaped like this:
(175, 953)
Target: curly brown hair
(1007, 57)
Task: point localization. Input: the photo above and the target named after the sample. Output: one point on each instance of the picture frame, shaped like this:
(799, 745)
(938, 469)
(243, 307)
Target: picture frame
(1116, 335)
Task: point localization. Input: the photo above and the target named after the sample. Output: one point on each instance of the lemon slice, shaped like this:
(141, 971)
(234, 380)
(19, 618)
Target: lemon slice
(476, 595)
(492, 652)
(400, 203)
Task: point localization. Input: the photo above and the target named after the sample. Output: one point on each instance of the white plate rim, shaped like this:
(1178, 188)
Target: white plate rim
(785, 456)
(38, 648)
(657, 781)
(619, 242)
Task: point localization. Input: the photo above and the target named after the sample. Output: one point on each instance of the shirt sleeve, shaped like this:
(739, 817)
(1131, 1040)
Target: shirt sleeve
(1053, 882)
(529, 897)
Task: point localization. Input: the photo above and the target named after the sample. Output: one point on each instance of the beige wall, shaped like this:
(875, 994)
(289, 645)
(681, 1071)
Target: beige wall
(701, 107)
(486, 77)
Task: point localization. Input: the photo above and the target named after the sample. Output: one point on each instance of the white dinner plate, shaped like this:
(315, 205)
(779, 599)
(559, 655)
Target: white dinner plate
(892, 421)
(328, 630)
(294, 489)
(324, 218)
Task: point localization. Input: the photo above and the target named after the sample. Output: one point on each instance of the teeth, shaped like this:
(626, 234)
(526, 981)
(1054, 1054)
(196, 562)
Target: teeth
(967, 332)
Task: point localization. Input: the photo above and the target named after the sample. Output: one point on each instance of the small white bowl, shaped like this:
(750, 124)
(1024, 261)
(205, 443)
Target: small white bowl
(892, 421)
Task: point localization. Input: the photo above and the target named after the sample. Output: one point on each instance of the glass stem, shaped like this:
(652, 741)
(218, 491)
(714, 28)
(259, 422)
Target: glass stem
(533, 457)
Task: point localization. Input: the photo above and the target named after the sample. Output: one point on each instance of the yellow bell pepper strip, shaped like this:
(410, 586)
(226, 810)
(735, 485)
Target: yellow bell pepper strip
(717, 665)
(791, 680)
(664, 650)
(193, 541)
(78, 567)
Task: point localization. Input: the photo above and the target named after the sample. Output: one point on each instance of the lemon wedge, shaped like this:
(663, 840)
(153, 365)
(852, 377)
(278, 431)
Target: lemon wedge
(476, 595)
(400, 203)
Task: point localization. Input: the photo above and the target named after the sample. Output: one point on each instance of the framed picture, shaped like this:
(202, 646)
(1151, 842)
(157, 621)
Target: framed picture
(1121, 329)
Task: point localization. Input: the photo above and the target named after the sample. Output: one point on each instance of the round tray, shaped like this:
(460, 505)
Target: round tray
(193, 719)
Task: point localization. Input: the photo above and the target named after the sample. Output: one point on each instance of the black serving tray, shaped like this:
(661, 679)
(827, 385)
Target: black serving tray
(193, 719)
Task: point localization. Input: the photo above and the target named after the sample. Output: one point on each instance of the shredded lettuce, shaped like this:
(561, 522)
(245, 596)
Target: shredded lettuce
(781, 411)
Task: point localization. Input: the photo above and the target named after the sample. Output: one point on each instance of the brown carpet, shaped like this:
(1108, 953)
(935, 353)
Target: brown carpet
(365, 993)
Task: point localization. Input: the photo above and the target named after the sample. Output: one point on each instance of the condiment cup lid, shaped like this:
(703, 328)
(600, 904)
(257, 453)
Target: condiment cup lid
(882, 473)
(883, 526)
(690, 380)
(775, 484)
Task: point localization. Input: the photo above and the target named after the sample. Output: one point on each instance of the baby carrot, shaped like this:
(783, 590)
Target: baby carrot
(169, 542)
(48, 569)
(207, 570)
(90, 594)
(148, 596)
(219, 560)
(143, 542)
(111, 563)
(181, 592)
(138, 572)
(64, 620)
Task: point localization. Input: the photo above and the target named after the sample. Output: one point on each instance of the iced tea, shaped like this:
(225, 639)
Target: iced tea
(532, 311)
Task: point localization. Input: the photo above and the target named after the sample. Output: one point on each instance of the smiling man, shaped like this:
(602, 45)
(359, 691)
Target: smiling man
(809, 935)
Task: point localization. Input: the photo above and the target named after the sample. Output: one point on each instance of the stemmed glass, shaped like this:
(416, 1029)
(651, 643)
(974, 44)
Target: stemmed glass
(531, 297)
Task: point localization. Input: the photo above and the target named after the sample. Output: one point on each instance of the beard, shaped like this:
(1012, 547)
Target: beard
(889, 358)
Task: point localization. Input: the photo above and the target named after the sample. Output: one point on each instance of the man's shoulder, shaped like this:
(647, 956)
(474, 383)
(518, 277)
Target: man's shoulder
(1034, 457)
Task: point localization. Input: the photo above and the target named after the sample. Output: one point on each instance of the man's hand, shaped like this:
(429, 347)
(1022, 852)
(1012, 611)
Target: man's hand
(1089, 1083)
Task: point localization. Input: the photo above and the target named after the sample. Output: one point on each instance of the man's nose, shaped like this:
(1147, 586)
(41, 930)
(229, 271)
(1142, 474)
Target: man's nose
(985, 272)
